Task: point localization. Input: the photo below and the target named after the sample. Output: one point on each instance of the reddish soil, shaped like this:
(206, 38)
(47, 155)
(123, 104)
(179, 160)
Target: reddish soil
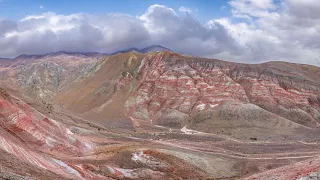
(159, 115)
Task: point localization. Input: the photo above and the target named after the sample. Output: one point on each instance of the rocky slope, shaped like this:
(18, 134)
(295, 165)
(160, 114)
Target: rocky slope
(85, 97)
(43, 76)
(167, 89)
(31, 136)
(58, 151)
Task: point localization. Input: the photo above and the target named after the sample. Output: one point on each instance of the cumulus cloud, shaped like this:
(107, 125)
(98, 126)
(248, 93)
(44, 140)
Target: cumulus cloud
(251, 8)
(108, 33)
(257, 31)
(185, 9)
(275, 30)
(51, 32)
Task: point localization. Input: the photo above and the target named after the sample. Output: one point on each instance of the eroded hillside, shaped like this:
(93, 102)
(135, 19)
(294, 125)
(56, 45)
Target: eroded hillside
(159, 115)
(171, 90)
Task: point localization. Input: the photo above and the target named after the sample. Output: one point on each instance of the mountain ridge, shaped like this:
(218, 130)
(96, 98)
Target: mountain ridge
(99, 55)
(144, 50)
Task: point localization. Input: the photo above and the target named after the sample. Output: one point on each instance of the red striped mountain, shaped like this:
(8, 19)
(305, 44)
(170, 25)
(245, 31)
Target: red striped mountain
(71, 115)
(172, 90)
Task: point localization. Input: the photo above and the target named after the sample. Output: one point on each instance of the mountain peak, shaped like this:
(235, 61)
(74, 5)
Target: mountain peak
(148, 49)
(154, 48)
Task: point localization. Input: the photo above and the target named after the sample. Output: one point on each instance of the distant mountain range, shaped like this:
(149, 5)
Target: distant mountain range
(153, 48)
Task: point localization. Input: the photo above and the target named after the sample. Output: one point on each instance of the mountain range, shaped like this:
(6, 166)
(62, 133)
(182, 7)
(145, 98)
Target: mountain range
(148, 49)
(153, 113)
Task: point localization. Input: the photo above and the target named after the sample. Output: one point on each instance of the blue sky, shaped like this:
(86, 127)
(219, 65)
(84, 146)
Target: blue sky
(16, 9)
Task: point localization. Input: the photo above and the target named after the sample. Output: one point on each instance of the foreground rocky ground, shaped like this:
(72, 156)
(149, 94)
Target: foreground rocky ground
(159, 115)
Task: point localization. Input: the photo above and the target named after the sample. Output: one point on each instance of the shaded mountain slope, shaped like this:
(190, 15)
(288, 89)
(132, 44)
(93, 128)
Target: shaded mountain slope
(104, 93)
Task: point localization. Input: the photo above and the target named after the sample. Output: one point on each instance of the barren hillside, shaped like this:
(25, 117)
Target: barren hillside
(159, 115)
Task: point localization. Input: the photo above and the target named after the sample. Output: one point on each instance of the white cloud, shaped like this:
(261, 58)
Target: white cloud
(276, 31)
(185, 9)
(254, 8)
(287, 31)
(41, 7)
(108, 33)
